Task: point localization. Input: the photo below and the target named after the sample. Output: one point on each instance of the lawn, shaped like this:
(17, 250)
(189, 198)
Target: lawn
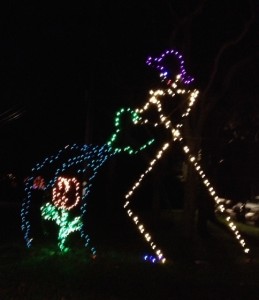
(201, 269)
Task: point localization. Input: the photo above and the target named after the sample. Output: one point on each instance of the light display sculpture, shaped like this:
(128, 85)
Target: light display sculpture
(59, 210)
(84, 161)
(177, 86)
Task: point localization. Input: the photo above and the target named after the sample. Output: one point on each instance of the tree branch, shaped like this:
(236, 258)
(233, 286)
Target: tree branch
(187, 19)
(227, 45)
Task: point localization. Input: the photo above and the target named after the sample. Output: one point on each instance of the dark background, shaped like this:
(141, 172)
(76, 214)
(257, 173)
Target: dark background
(56, 61)
(67, 66)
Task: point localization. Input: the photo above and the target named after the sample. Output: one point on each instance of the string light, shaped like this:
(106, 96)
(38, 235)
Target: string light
(38, 183)
(172, 90)
(83, 160)
(87, 159)
(62, 218)
(61, 190)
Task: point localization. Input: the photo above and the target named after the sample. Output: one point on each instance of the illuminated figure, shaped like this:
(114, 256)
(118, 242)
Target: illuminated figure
(158, 102)
(87, 159)
(84, 161)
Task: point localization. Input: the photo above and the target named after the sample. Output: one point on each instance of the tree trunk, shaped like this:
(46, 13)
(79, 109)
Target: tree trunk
(192, 139)
(190, 203)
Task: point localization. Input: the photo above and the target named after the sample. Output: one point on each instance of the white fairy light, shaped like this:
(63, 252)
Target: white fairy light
(176, 133)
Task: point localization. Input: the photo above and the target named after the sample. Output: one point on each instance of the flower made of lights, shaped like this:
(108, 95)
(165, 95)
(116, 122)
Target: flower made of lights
(84, 162)
(59, 212)
(178, 86)
(60, 192)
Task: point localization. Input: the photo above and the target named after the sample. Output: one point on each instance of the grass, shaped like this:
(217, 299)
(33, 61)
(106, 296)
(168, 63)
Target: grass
(247, 229)
(199, 269)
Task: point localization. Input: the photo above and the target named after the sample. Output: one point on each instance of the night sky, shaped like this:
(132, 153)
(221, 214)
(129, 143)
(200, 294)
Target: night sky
(62, 66)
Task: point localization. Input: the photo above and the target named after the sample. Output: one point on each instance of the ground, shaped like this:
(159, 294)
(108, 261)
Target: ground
(206, 268)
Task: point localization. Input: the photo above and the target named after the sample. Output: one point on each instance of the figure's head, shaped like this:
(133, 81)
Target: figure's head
(173, 100)
(170, 69)
(126, 125)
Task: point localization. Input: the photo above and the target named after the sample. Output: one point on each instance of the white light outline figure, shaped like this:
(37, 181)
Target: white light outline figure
(172, 90)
